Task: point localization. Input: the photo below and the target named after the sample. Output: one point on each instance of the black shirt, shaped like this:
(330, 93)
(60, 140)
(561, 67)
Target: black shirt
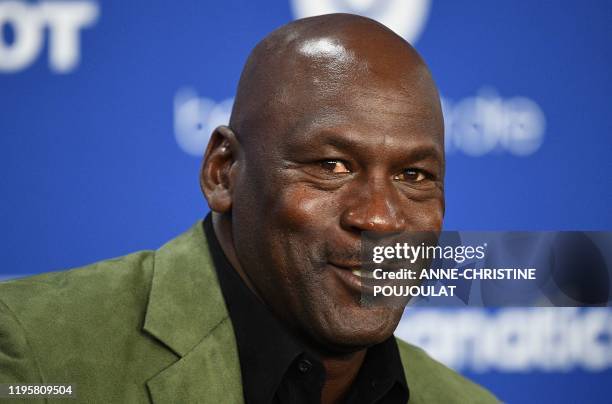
(276, 368)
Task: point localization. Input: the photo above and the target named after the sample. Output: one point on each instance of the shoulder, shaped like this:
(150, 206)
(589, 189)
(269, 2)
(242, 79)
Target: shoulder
(65, 324)
(431, 381)
(103, 286)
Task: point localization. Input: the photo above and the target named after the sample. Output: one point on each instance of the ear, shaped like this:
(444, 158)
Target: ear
(217, 177)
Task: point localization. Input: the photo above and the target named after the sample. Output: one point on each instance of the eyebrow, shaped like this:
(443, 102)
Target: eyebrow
(422, 151)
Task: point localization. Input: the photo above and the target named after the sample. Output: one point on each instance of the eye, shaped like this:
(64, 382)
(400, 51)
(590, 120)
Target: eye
(335, 166)
(411, 175)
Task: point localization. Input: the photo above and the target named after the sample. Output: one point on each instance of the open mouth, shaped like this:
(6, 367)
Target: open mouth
(354, 277)
(363, 273)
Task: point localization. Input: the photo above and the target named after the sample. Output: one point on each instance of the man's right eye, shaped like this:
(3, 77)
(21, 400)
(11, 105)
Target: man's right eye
(335, 166)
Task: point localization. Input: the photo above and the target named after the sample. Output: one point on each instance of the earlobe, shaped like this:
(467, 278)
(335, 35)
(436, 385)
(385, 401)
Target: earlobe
(216, 180)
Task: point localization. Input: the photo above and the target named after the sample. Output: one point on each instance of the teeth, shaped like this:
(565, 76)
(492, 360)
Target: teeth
(362, 274)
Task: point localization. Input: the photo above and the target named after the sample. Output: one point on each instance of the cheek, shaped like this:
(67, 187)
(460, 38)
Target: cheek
(426, 215)
(302, 208)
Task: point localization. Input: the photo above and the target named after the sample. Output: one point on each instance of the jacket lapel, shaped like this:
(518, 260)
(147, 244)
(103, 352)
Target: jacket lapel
(187, 313)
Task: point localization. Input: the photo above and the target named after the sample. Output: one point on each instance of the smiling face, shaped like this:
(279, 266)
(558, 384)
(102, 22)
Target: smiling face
(348, 138)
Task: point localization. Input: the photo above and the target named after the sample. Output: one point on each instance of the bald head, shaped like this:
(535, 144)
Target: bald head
(336, 130)
(321, 60)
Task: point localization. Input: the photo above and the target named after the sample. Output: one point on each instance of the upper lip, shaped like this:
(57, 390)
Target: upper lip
(353, 266)
(349, 266)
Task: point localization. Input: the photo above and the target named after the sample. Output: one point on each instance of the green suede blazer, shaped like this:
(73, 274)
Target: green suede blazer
(152, 327)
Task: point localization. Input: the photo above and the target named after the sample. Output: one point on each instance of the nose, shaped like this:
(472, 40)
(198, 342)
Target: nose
(374, 207)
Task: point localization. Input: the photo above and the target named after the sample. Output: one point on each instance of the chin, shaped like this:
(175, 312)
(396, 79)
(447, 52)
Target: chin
(358, 328)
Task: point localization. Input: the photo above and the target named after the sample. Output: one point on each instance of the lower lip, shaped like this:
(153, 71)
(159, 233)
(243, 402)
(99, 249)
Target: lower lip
(353, 282)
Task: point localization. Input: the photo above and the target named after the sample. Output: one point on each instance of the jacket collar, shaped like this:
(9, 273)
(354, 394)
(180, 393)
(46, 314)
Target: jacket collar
(187, 313)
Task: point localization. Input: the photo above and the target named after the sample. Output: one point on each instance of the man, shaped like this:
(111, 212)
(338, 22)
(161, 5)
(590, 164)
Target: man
(336, 130)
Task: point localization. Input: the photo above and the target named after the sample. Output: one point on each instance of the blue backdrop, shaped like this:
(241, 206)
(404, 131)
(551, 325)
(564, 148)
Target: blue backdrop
(106, 108)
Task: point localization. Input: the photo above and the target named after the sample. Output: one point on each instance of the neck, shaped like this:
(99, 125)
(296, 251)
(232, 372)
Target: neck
(222, 226)
(341, 372)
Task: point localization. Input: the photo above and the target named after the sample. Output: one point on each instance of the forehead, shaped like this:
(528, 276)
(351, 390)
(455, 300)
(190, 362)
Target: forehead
(377, 117)
(371, 91)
